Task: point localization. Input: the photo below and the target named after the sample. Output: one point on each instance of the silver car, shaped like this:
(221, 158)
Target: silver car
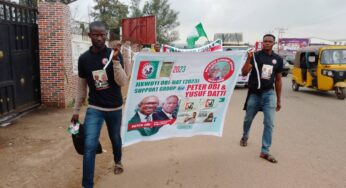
(242, 80)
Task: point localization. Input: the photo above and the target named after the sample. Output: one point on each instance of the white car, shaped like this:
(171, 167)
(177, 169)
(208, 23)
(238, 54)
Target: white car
(243, 80)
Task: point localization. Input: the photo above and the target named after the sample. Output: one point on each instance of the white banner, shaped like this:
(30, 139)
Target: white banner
(211, 47)
(179, 94)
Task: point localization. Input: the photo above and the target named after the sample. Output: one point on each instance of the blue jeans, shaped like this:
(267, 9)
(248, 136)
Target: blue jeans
(92, 127)
(267, 102)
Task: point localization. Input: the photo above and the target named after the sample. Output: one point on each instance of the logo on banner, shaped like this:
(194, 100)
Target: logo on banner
(147, 70)
(219, 70)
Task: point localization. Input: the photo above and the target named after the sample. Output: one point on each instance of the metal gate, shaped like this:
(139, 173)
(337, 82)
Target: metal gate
(19, 61)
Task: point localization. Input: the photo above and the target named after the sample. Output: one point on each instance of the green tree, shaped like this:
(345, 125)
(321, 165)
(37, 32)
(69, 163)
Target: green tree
(111, 12)
(166, 18)
(135, 9)
(32, 3)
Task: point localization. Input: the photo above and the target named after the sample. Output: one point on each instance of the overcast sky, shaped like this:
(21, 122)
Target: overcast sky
(302, 18)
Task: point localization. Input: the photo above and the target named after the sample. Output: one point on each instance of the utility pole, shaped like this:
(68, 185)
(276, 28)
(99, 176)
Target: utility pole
(281, 31)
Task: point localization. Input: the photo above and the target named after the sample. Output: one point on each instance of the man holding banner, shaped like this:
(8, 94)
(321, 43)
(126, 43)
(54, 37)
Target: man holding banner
(105, 100)
(266, 68)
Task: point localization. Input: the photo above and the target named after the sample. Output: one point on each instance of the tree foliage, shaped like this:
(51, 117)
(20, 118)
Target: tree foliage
(32, 3)
(135, 9)
(166, 18)
(111, 12)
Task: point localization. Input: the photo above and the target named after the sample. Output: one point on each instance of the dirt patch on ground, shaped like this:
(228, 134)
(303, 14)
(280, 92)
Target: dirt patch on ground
(37, 151)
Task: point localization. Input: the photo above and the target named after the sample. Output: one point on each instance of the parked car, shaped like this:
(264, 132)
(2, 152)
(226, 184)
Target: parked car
(286, 68)
(242, 80)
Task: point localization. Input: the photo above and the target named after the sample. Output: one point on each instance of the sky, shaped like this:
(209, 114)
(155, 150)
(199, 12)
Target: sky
(319, 19)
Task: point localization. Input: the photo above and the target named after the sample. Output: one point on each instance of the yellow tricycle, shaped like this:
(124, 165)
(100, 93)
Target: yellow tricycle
(322, 68)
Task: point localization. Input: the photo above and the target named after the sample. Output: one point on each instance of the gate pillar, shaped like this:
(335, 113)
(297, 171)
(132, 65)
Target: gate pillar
(57, 80)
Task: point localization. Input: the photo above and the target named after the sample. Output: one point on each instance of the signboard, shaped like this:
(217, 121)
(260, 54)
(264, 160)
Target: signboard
(258, 46)
(229, 37)
(289, 46)
(179, 94)
(141, 30)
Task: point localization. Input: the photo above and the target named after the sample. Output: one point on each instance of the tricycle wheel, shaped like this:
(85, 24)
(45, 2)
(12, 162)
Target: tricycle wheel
(340, 93)
(295, 86)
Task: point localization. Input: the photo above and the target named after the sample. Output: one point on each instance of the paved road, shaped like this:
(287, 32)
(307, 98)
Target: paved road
(309, 142)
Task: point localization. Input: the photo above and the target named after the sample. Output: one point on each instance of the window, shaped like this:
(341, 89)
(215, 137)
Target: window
(334, 56)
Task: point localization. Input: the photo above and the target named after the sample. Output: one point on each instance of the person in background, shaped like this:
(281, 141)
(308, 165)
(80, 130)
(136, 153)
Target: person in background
(157, 47)
(146, 48)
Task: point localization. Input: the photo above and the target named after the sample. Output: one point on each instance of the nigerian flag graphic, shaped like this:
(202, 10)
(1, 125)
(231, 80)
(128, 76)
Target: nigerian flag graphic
(147, 70)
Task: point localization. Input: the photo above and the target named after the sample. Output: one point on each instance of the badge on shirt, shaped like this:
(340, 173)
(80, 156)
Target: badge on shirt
(104, 61)
(274, 61)
(101, 79)
(267, 71)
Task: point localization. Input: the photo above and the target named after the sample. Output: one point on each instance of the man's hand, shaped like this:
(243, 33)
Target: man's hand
(115, 54)
(74, 118)
(250, 53)
(278, 106)
(247, 66)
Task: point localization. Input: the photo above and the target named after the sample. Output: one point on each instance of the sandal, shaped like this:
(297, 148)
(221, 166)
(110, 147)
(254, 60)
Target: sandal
(118, 168)
(268, 157)
(243, 141)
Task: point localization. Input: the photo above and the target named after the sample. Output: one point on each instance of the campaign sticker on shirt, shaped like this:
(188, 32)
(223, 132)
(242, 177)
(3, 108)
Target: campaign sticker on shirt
(101, 79)
(267, 71)
(274, 61)
(104, 61)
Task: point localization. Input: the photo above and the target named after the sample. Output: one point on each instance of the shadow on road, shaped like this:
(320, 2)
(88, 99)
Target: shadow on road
(318, 93)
